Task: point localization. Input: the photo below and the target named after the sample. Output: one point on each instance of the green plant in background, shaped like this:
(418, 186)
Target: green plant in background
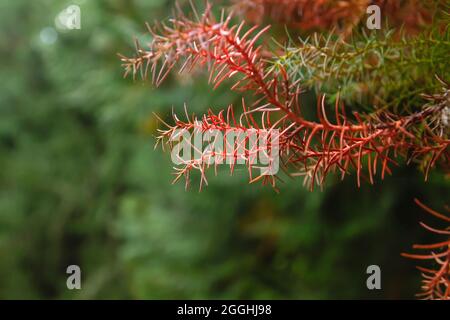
(309, 148)
(436, 281)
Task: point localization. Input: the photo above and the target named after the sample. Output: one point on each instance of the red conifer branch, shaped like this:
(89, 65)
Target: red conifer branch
(340, 15)
(436, 281)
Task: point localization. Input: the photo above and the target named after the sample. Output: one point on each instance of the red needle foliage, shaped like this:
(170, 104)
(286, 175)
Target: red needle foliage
(327, 14)
(436, 281)
(365, 143)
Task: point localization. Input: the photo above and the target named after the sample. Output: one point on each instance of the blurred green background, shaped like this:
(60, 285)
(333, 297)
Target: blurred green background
(81, 184)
